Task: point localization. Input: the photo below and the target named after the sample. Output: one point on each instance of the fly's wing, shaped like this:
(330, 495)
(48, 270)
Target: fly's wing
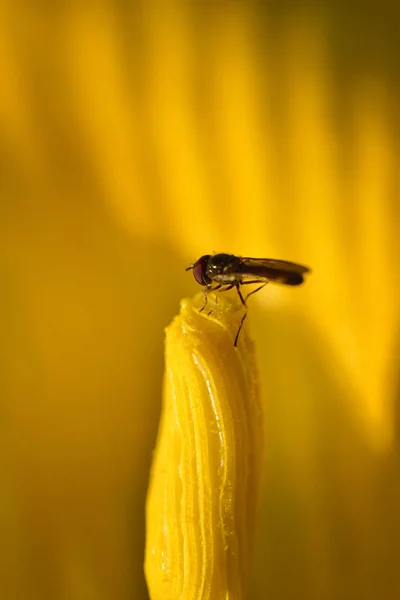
(270, 269)
(273, 263)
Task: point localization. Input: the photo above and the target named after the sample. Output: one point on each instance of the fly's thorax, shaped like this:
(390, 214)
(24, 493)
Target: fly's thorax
(222, 267)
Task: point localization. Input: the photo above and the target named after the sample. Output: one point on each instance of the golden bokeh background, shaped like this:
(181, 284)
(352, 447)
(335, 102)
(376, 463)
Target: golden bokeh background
(136, 136)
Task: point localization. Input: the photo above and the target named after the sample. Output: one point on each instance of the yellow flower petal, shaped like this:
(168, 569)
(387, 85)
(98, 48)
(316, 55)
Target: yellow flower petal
(205, 479)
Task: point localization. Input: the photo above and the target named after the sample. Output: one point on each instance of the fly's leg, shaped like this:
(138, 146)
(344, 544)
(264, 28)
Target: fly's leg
(256, 290)
(251, 282)
(209, 288)
(243, 301)
(205, 298)
(217, 297)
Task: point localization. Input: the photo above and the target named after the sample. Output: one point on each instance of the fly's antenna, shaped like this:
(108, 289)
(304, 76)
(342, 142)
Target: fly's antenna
(189, 267)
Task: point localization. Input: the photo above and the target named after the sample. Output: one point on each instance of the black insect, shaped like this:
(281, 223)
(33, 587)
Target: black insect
(224, 271)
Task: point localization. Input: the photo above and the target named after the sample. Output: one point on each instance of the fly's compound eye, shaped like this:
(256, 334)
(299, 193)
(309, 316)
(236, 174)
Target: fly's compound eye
(199, 270)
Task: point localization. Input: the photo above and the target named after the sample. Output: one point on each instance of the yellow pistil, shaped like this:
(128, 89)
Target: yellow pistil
(205, 480)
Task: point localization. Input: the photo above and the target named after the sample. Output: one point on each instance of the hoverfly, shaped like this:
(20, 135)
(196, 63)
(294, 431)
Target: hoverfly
(224, 271)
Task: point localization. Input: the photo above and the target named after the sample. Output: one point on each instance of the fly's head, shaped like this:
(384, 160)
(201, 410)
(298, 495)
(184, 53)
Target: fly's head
(199, 269)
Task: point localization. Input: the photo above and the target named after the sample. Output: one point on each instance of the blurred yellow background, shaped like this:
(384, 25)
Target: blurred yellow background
(134, 138)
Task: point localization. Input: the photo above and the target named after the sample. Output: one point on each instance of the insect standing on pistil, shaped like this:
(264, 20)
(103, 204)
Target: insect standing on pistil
(224, 271)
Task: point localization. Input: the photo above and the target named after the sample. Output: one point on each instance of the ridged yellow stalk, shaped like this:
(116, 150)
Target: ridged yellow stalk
(205, 479)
